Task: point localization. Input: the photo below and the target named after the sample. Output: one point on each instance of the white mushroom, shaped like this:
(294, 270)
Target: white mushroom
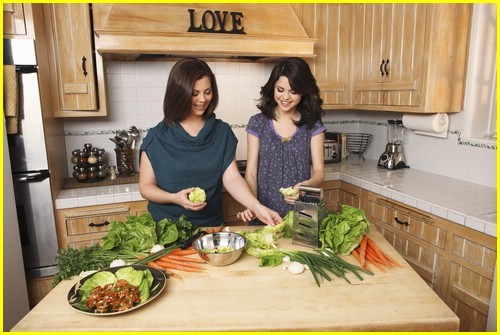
(296, 268)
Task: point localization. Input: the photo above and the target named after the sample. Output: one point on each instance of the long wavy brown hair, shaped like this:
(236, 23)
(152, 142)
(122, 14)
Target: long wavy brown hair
(302, 81)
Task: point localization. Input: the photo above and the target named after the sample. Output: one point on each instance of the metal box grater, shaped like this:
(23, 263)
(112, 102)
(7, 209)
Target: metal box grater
(308, 213)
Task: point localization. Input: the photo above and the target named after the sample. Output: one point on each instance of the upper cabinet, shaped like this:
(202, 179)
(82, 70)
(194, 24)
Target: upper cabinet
(409, 57)
(330, 24)
(77, 70)
(17, 21)
(390, 57)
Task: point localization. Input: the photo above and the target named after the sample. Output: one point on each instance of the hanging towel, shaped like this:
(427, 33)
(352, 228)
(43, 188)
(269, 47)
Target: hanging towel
(10, 95)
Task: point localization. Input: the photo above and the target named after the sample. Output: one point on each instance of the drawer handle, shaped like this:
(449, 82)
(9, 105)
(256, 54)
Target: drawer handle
(92, 224)
(381, 67)
(401, 222)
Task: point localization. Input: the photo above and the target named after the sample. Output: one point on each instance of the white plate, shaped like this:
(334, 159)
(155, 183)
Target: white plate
(159, 282)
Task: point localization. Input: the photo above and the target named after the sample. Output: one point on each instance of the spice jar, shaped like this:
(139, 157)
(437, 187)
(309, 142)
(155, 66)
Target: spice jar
(112, 173)
(92, 159)
(82, 159)
(92, 174)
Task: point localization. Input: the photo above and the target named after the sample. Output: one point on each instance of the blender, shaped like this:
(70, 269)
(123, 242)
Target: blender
(393, 157)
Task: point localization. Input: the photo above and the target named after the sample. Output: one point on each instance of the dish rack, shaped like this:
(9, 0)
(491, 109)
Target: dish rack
(357, 143)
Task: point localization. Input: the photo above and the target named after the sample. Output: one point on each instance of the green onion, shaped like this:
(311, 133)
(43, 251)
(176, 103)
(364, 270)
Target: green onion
(323, 261)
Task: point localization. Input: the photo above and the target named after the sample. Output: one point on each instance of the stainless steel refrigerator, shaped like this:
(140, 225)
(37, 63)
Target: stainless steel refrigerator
(30, 170)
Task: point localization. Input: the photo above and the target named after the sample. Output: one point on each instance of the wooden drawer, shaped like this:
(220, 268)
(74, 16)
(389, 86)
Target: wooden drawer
(84, 226)
(408, 220)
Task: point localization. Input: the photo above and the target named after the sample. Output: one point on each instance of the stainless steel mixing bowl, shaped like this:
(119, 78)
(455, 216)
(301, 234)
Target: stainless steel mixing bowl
(207, 244)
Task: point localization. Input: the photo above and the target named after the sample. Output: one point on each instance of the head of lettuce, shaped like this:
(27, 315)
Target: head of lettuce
(344, 231)
(197, 195)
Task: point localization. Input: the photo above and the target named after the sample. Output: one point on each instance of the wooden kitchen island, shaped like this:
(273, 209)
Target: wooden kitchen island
(245, 297)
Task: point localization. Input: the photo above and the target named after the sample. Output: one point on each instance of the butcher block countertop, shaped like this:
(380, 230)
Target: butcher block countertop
(246, 297)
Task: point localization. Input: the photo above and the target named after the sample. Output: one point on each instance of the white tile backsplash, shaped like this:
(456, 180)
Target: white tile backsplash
(135, 97)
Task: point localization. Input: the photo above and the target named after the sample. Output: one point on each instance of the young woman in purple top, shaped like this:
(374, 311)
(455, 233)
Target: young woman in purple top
(286, 138)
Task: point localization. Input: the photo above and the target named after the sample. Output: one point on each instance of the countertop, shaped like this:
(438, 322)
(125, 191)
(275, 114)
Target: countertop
(464, 203)
(246, 297)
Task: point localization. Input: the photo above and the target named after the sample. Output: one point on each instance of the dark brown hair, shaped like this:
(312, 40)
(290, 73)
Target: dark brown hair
(179, 92)
(302, 81)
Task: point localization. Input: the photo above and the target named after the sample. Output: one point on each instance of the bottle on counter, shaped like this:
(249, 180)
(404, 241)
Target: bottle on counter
(112, 173)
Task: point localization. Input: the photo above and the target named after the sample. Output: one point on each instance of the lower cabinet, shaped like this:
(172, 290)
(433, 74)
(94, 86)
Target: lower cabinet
(457, 262)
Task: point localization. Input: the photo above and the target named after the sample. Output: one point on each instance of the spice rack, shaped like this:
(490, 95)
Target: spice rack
(90, 164)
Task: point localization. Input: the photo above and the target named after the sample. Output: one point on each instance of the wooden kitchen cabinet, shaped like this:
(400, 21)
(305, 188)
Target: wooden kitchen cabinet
(77, 71)
(409, 57)
(458, 263)
(84, 226)
(330, 24)
(17, 21)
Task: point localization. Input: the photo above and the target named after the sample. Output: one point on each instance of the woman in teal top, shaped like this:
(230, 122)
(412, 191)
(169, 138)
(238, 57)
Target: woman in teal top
(191, 148)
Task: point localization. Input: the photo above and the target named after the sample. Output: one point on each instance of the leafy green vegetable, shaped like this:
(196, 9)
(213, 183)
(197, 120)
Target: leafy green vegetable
(197, 195)
(141, 233)
(343, 231)
(143, 279)
(289, 191)
(71, 261)
(98, 279)
(138, 233)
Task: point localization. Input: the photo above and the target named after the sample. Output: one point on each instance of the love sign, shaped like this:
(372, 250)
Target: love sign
(216, 21)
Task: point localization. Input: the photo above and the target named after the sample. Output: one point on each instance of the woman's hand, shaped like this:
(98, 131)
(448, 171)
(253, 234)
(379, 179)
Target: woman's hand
(291, 199)
(183, 200)
(267, 216)
(246, 215)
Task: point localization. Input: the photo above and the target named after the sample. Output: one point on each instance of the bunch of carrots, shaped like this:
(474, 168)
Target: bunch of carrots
(178, 259)
(367, 251)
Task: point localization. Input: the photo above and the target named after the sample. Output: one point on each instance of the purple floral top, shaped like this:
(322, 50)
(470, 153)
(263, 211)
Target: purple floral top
(283, 162)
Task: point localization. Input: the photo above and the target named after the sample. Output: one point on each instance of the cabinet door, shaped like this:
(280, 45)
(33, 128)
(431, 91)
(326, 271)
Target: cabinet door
(330, 24)
(471, 278)
(388, 56)
(13, 19)
(72, 33)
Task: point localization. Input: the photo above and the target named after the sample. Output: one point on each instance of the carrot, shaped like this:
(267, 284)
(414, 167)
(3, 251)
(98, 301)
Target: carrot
(377, 251)
(356, 255)
(183, 258)
(183, 263)
(176, 266)
(183, 252)
(362, 250)
(155, 265)
(173, 275)
(373, 255)
(374, 262)
(391, 260)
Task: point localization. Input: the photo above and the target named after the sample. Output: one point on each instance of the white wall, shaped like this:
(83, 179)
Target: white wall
(136, 92)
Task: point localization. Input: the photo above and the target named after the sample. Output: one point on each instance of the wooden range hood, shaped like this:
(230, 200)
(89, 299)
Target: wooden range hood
(241, 31)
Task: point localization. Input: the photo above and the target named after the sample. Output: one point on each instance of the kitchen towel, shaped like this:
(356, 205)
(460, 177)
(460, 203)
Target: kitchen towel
(427, 124)
(10, 93)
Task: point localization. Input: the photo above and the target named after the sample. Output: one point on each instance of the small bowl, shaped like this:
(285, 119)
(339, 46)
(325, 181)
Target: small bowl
(221, 239)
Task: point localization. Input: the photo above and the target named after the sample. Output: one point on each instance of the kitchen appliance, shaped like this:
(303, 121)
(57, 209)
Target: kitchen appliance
(393, 157)
(30, 172)
(308, 213)
(333, 153)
